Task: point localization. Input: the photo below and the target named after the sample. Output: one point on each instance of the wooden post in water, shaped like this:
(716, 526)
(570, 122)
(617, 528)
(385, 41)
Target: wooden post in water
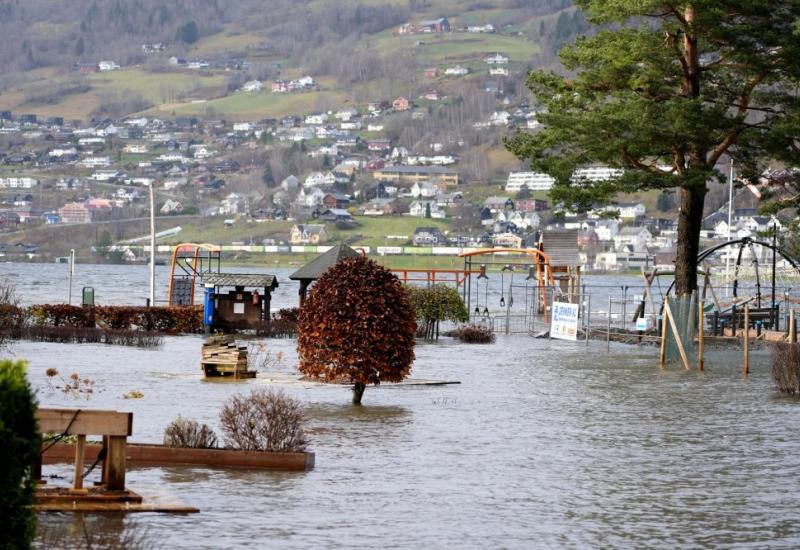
(700, 336)
(746, 335)
(663, 354)
(77, 484)
(608, 326)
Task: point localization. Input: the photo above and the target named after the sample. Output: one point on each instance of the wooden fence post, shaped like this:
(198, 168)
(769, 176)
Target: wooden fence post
(663, 353)
(700, 336)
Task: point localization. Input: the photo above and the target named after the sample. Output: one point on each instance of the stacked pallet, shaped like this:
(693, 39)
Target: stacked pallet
(222, 357)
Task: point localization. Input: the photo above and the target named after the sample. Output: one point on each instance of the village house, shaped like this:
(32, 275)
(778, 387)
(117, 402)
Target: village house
(336, 200)
(456, 70)
(423, 189)
(427, 236)
(75, 212)
(411, 174)
(507, 240)
(632, 239)
(230, 204)
(108, 66)
(424, 209)
(335, 215)
(498, 204)
(253, 86)
(496, 59)
(171, 206)
(308, 234)
(400, 104)
(311, 197)
(379, 207)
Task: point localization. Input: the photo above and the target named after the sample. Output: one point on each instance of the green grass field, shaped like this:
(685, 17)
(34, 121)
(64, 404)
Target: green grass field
(371, 232)
(456, 46)
(247, 106)
(229, 39)
(374, 231)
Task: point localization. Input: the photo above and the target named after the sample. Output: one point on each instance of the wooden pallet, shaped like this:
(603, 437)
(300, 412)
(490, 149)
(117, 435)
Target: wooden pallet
(222, 357)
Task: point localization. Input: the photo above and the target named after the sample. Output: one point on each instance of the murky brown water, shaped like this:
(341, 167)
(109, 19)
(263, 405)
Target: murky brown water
(544, 444)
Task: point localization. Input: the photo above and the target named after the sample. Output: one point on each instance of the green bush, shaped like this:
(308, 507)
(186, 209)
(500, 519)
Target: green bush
(21, 444)
(436, 303)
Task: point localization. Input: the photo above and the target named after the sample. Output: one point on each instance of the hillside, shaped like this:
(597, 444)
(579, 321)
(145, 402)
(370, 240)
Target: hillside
(353, 47)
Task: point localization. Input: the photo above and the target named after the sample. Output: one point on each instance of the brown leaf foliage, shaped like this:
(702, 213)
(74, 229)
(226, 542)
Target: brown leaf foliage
(357, 325)
(171, 320)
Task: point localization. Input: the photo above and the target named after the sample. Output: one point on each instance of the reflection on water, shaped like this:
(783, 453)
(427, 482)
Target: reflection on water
(543, 444)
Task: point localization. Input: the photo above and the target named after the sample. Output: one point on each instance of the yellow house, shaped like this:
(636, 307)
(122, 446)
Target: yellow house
(308, 234)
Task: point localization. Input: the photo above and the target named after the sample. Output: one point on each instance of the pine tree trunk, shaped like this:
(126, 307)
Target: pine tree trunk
(690, 220)
(358, 392)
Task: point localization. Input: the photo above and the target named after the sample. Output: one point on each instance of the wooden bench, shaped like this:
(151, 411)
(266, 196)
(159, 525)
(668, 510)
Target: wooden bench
(115, 427)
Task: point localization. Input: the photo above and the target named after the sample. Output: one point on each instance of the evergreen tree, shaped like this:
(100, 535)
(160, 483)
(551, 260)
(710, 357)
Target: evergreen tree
(663, 91)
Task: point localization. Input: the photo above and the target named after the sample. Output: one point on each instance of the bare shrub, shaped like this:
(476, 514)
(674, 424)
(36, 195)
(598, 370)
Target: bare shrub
(11, 315)
(188, 433)
(475, 334)
(262, 359)
(264, 420)
(786, 367)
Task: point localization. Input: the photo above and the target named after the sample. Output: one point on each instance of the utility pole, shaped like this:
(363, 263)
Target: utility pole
(152, 244)
(730, 221)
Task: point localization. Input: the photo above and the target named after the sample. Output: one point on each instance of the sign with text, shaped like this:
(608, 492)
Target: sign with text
(564, 323)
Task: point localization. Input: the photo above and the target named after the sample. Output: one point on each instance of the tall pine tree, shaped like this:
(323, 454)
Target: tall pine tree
(663, 92)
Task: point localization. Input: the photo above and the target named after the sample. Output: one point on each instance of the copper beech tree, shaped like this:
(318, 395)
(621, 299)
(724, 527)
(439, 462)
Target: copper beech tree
(357, 326)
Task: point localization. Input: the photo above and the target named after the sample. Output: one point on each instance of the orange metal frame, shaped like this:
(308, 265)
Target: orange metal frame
(192, 248)
(432, 276)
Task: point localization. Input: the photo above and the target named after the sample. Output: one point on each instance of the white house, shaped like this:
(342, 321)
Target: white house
(632, 239)
(419, 209)
(314, 179)
(631, 210)
(317, 119)
(19, 183)
(456, 70)
(606, 229)
(171, 206)
(345, 115)
(107, 66)
(500, 118)
(311, 197)
(498, 71)
(535, 181)
(497, 59)
(253, 86)
(230, 204)
(423, 189)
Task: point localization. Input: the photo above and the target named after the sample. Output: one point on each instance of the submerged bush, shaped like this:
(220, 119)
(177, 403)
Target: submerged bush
(187, 433)
(263, 420)
(786, 367)
(475, 334)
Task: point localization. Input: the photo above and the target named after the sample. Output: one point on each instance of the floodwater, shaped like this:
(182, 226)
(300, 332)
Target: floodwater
(543, 444)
